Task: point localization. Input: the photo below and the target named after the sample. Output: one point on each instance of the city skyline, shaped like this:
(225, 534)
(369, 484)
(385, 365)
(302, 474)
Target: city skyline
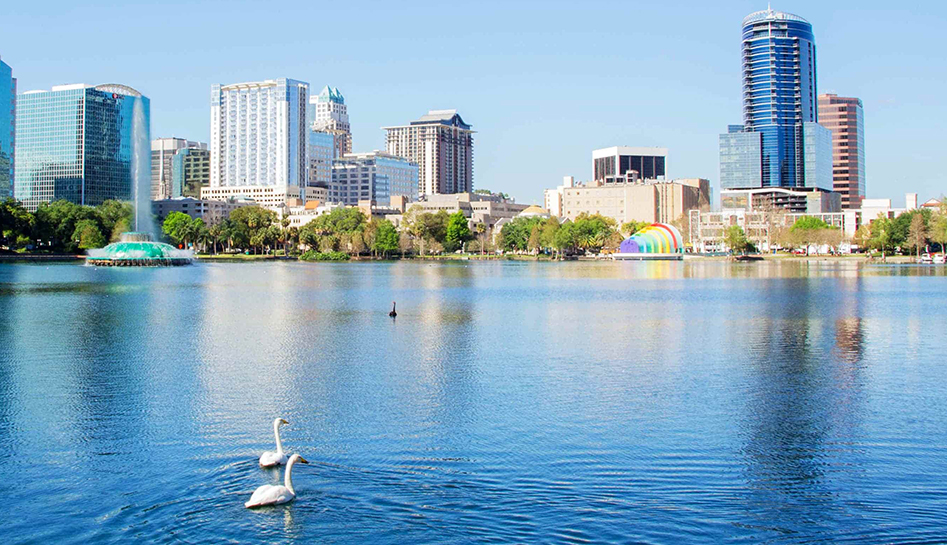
(523, 79)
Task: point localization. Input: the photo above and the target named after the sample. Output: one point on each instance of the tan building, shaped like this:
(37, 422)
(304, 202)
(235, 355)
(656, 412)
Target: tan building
(652, 201)
(485, 209)
(845, 118)
(212, 212)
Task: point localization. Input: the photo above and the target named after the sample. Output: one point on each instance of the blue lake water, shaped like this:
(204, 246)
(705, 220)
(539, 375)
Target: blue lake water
(507, 402)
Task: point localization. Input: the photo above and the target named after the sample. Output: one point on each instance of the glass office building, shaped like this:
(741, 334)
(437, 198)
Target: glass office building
(375, 176)
(779, 91)
(7, 129)
(817, 156)
(740, 159)
(75, 142)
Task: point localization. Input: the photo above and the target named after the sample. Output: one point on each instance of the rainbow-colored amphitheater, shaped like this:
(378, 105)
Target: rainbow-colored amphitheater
(657, 238)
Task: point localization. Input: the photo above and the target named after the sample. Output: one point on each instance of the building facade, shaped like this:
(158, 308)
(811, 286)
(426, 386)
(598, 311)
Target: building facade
(190, 172)
(163, 151)
(800, 200)
(7, 129)
(76, 142)
(323, 149)
(328, 113)
(260, 137)
(442, 145)
(623, 164)
(845, 117)
(212, 212)
(656, 201)
(552, 198)
(375, 176)
(780, 108)
(485, 209)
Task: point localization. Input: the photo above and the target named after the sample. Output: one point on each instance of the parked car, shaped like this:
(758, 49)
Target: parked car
(926, 259)
(940, 259)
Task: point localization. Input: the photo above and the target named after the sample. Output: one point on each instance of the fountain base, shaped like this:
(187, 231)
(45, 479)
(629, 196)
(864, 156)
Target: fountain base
(139, 250)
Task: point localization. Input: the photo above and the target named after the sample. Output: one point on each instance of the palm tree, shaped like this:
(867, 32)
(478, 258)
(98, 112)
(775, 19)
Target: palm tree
(481, 230)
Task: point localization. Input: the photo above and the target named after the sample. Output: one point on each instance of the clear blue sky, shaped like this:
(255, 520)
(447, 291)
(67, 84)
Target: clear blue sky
(543, 83)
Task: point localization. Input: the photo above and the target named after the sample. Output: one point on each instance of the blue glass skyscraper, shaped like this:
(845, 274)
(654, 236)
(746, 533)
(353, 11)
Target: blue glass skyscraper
(7, 128)
(779, 102)
(779, 90)
(75, 142)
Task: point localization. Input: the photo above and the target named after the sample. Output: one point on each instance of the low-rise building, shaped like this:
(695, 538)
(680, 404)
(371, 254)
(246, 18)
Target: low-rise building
(212, 212)
(272, 197)
(760, 222)
(797, 200)
(485, 209)
(552, 198)
(652, 201)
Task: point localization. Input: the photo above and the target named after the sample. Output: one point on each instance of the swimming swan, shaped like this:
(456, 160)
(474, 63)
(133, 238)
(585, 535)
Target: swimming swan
(270, 459)
(271, 494)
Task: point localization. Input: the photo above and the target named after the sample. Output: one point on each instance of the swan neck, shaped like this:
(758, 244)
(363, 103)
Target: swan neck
(288, 479)
(279, 444)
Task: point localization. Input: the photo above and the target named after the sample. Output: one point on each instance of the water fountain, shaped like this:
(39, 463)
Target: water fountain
(138, 248)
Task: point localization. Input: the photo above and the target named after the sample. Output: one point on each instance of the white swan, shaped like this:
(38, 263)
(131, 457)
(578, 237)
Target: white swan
(269, 458)
(271, 494)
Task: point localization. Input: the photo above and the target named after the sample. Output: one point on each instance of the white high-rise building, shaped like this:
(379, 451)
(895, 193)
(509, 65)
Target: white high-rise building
(259, 141)
(329, 114)
(442, 144)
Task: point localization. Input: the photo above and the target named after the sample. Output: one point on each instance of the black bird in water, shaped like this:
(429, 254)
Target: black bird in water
(392, 313)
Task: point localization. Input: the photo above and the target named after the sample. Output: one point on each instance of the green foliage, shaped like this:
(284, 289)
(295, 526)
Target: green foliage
(177, 227)
(457, 231)
(427, 228)
(53, 226)
(87, 235)
(808, 223)
(312, 255)
(386, 238)
(632, 227)
(735, 239)
(515, 234)
(250, 226)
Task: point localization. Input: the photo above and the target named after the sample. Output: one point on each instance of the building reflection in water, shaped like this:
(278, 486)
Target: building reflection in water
(800, 406)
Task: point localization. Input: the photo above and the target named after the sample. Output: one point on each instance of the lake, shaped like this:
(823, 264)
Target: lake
(667, 402)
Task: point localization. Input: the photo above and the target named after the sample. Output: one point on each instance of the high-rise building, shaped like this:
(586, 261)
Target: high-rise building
(7, 129)
(846, 119)
(375, 176)
(621, 164)
(259, 140)
(163, 151)
(779, 90)
(323, 149)
(328, 113)
(442, 145)
(76, 142)
(190, 171)
(780, 143)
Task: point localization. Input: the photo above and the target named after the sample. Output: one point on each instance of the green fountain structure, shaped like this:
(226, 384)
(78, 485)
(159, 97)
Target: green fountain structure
(139, 250)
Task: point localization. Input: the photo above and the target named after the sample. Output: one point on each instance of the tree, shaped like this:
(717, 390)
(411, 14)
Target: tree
(810, 230)
(16, 222)
(250, 222)
(565, 238)
(386, 238)
(87, 235)
(735, 239)
(457, 231)
(939, 228)
(115, 218)
(481, 231)
(177, 227)
(216, 232)
(881, 234)
(862, 237)
(917, 233)
(631, 227)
